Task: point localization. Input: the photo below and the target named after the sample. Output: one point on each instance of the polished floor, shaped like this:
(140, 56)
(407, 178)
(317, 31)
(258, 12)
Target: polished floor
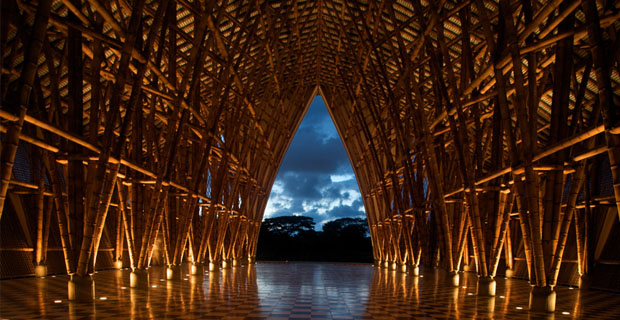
(293, 291)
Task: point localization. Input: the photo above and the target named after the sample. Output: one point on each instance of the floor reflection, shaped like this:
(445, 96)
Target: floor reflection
(296, 290)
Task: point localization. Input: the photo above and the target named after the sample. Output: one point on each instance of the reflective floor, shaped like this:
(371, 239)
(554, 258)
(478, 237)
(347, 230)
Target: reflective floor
(293, 291)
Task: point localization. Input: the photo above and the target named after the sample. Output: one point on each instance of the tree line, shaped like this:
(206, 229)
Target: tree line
(294, 238)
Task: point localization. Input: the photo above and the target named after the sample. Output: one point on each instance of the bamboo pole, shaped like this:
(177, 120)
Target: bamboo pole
(40, 203)
(26, 138)
(61, 215)
(183, 229)
(127, 225)
(503, 236)
(118, 248)
(508, 247)
(576, 185)
(46, 230)
(216, 189)
(165, 232)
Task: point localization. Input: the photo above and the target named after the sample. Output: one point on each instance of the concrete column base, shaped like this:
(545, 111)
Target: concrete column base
(415, 270)
(386, 264)
(81, 288)
(542, 299)
(139, 279)
(402, 268)
(226, 264)
(469, 267)
(40, 271)
(118, 264)
(236, 263)
(486, 286)
(453, 279)
(197, 269)
(377, 264)
(213, 266)
(510, 273)
(251, 260)
(173, 272)
(393, 266)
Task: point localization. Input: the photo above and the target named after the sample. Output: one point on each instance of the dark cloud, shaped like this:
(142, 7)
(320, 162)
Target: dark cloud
(333, 190)
(316, 178)
(303, 184)
(345, 211)
(310, 153)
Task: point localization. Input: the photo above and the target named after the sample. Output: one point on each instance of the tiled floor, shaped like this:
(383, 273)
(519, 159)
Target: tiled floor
(293, 291)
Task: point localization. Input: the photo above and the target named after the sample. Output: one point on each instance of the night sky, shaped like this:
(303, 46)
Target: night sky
(316, 178)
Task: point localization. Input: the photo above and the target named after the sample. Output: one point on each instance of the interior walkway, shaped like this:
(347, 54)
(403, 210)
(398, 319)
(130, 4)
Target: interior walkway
(294, 290)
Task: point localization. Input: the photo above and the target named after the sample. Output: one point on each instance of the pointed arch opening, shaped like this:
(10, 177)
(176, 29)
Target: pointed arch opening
(315, 209)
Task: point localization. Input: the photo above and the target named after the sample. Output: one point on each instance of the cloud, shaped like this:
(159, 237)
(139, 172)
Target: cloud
(347, 211)
(311, 153)
(316, 178)
(341, 177)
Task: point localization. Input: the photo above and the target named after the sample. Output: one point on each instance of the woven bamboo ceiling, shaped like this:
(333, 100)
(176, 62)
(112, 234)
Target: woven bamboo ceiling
(245, 71)
(200, 99)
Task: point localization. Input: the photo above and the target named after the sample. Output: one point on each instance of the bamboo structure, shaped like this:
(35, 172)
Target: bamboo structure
(476, 129)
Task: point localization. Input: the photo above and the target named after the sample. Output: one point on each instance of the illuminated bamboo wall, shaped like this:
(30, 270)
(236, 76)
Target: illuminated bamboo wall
(483, 134)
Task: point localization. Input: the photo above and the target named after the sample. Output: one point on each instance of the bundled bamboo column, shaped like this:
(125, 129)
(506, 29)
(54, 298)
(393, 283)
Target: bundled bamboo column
(128, 223)
(602, 62)
(21, 97)
(435, 178)
(118, 249)
(99, 194)
(210, 221)
(43, 226)
(40, 201)
(174, 136)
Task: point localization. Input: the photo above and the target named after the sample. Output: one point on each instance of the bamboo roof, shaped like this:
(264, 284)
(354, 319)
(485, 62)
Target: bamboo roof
(261, 62)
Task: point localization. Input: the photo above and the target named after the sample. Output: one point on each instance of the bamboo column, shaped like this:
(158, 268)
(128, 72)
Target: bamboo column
(609, 110)
(487, 239)
(20, 99)
(118, 249)
(102, 176)
(43, 226)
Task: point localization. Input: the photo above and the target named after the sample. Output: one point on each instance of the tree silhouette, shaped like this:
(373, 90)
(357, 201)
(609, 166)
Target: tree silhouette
(288, 225)
(294, 238)
(349, 227)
